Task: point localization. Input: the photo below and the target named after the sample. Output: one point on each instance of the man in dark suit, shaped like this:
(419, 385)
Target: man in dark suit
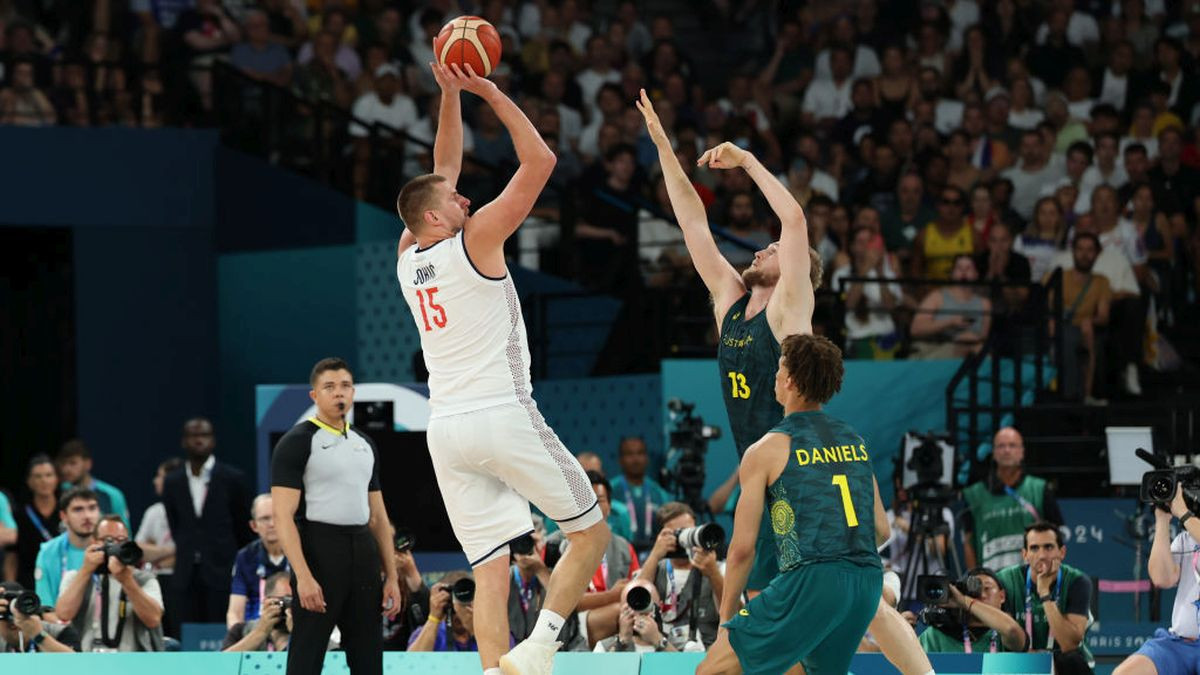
(208, 507)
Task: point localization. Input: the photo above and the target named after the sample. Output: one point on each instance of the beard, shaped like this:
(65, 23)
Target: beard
(752, 277)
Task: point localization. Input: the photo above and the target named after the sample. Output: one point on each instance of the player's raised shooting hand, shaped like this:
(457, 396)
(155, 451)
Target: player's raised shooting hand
(469, 81)
(445, 78)
(724, 156)
(653, 124)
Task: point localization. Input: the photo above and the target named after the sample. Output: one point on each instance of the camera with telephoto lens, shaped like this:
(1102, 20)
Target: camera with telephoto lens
(934, 591)
(639, 600)
(25, 602)
(127, 552)
(463, 590)
(1158, 486)
(708, 537)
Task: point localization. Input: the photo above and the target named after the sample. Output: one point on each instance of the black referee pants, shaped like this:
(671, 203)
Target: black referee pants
(345, 562)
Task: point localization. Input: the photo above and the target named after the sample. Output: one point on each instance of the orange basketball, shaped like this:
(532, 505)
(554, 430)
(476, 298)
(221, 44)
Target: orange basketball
(469, 40)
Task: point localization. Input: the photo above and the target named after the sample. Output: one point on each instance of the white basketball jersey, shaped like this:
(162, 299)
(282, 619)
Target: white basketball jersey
(471, 328)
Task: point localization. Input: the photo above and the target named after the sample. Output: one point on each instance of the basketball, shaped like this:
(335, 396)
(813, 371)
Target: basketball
(468, 40)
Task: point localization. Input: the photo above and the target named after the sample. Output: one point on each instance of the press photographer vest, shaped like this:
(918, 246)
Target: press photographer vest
(1000, 520)
(1013, 580)
(748, 356)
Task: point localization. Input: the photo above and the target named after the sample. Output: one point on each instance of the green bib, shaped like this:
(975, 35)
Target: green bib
(822, 505)
(1000, 520)
(935, 641)
(748, 357)
(1013, 579)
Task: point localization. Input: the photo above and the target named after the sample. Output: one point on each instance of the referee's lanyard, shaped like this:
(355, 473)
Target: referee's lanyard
(633, 524)
(1029, 605)
(967, 640)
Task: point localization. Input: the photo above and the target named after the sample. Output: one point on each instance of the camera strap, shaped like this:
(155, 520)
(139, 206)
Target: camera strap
(693, 603)
(524, 591)
(1029, 605)
(102, 613)
(672, 602)
(37, 522)
(967, 640)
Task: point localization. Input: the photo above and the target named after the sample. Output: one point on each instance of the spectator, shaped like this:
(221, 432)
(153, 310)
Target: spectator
(1034, 171)
(641, 495)
(272, 629)
(1111, 84)
(636, 631)
(286, 23)
(79, 510)
(104, 579)
(741, 222)
(901, 224)
(30, 633)
(1137, 167)
(208, 508)
(1173, 650)
(1007, 26)
(941, 240)
(451, 623)
(952, 321)
(1079, 160)
(1106, 171)
(1086, 297)
(608, 224)
(947, 112)
(418, 149)
(1079, 27)
(257, 56)
(1141, 132)
(788, 72)
(895, 86)
(663, 255)
(598, 73)
(1023, 113)
(977, 68)
(863, 60)
(255, 562)
(1001, 263)
(1175, 184)
(1078, 88)
(1043, 240)
(414, 592)
(208, 32)
(864, 117)
(818, 209)
(607, 108)
(1184, 90)
(988, 627)
(154, 536)
(983, 213)
(1054, 55)
(1052, 597)
(388, 106)
(334, 23)
(74, 463)
(870, 331)
(530, 577)
(829, 99)
(73, 99)
(961, 172)
(1000, 506)
(37, 521)
(689, 582)
(1154, 237)
(22, 103)
(320, 78)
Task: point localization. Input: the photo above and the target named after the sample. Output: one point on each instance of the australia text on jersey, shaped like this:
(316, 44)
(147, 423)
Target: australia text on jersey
(838, 453)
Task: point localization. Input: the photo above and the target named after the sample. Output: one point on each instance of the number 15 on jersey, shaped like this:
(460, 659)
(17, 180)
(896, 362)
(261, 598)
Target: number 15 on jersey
(424, 299)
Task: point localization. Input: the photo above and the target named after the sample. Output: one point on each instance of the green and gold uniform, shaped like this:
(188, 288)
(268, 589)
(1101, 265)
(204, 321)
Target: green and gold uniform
(822, 519)
(748, 356)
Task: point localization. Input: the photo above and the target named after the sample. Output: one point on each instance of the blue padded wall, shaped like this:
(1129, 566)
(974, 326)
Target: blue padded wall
(387, 336)
(594, 414)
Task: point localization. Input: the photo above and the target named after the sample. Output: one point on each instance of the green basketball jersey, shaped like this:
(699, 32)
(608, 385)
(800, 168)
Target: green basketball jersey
(823, 504)
(748, 356)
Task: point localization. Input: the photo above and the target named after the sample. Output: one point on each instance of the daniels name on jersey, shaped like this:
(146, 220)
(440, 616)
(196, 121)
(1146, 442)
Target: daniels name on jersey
(471, 328)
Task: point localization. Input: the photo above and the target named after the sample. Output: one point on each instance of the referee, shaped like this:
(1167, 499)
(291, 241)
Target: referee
(331, 520)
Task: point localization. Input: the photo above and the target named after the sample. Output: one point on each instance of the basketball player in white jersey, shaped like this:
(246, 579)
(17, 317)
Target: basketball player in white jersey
(492, 451)
(781, 282)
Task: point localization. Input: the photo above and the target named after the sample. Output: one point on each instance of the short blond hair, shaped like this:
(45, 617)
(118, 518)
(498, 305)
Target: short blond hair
(414, 199)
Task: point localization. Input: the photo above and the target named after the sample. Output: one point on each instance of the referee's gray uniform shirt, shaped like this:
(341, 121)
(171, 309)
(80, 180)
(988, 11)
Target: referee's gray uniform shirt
(333, 470)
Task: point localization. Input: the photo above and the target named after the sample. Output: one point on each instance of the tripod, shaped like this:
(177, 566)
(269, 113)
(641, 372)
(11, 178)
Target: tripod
(922, 547)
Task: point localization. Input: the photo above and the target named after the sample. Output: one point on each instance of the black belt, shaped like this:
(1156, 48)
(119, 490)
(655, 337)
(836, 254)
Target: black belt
(314, 527)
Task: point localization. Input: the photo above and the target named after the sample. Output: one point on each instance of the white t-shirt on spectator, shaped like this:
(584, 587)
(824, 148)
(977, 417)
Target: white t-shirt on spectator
(155, 529)
(1094, 178)
(1124, 238)
(963, 15)
(1041, 254)
(1111, 264)
(1027, 186)
(749, 109)
(879, 320)
(1081, 29)
(947, 115)
(826, 99)
(1027, 119)
(400, 114)
(1082, 110)
(578, 36)
(866, 64)
(1183, 615)
(589, 82)
(570, 124)
(1113, 89)
(655, 236)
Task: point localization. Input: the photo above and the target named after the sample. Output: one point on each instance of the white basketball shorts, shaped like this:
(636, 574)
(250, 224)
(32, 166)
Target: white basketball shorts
(491, 463)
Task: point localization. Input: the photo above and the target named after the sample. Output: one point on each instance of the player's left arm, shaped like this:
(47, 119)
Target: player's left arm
(752, 474)
(883, 531)
(448, 143)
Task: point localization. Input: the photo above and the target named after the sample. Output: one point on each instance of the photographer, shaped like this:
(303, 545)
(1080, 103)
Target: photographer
(1051, 599)
(639, 627)
(980, 625)
(451, 623)
(527, 590)
(1176, 650)
(690, 582)
(255, 562)
(118, 587)
(1003, 504)
(21, 632)
(272, 629)
(414, 595)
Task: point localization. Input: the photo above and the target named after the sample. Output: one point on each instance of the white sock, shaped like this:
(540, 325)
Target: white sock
(493, 671)
(548, 627)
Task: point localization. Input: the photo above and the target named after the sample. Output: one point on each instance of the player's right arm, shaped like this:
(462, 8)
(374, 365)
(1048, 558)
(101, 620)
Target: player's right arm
(493, 224)
(753, 475)
(448, 143)
(722, 280)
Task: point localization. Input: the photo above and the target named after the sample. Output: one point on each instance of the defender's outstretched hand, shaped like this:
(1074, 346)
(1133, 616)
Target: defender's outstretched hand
(653, 125)
(724, 156)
